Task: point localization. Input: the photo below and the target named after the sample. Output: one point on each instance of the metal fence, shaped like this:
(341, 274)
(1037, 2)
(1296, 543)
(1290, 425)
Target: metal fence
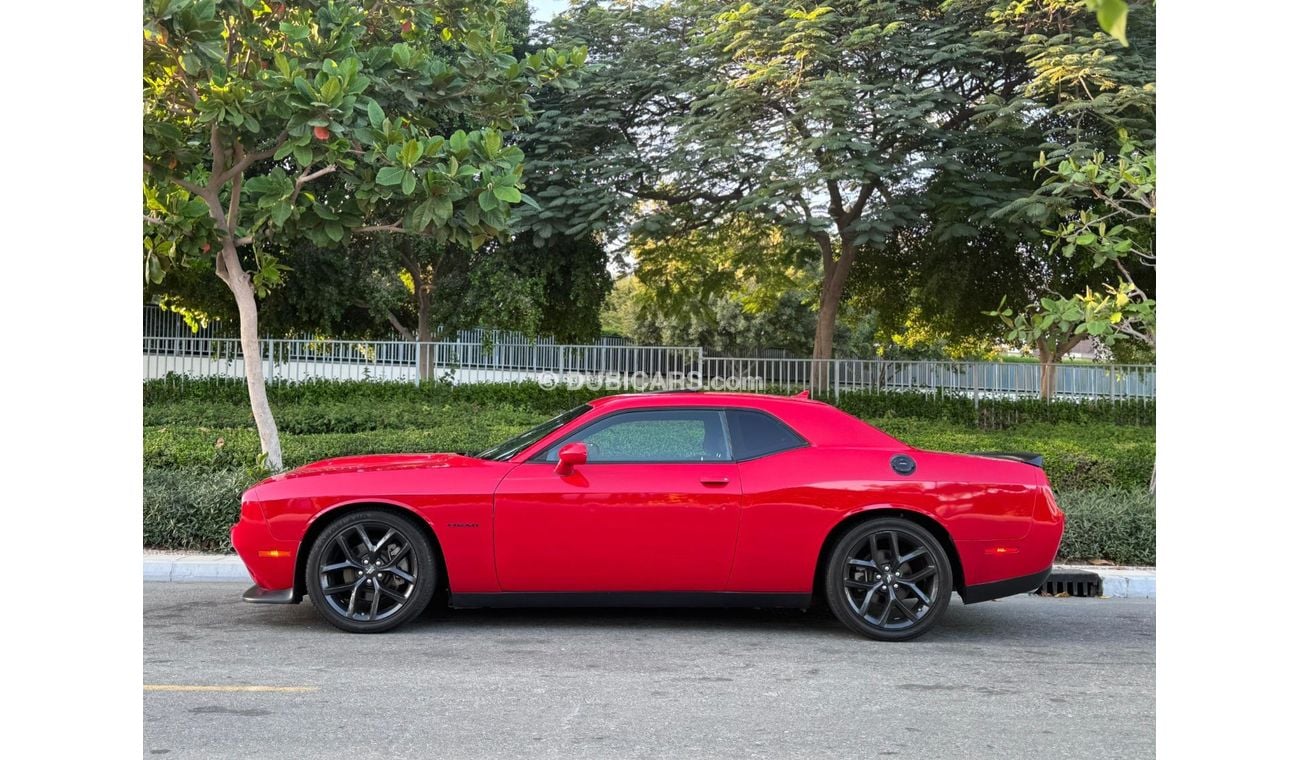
(632, 368)
(160, 324)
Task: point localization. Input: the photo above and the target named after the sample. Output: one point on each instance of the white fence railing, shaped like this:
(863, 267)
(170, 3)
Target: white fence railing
(632, 368)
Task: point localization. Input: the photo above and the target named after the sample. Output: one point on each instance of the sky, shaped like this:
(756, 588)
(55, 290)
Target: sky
(543, 10)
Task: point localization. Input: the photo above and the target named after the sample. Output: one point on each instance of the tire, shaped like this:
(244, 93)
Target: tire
(380, 569)
(869, 595)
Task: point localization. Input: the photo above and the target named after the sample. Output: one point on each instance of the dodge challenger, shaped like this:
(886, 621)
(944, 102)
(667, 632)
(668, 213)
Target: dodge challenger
(659, 499)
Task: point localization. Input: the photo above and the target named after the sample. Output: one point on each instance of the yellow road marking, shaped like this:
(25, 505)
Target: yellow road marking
(182, 687)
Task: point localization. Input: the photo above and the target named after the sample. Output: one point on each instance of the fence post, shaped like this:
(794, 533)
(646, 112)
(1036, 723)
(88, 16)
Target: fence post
(835, 367)
(975, 383)
(417, 362)
(270, 359)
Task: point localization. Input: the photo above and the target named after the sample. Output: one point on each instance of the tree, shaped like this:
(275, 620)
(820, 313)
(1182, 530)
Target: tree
(824, 120)
(249, 105)
(1099, 192)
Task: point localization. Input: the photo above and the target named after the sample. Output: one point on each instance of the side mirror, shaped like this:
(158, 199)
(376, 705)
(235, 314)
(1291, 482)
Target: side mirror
(571, 455)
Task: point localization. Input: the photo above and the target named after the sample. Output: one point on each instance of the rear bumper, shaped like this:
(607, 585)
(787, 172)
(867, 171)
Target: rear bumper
(984, 592)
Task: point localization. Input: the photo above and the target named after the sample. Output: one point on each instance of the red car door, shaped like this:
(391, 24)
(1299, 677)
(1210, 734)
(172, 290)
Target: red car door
(656, 507)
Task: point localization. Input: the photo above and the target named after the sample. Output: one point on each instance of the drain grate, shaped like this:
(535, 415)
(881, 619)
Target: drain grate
(1071, 583)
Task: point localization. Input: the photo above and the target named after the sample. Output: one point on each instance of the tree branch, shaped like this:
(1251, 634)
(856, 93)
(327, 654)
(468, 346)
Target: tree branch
(402, 329)
(392, 227)
(218, 153)
(193, 188)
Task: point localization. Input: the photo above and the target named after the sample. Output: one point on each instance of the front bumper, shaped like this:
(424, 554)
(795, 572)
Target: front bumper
(270, 561)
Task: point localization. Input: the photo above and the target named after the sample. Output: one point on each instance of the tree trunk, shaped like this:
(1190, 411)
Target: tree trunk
(241, 286)
(834, 274)
(1046, 370)
(422, 280)
(423, 330)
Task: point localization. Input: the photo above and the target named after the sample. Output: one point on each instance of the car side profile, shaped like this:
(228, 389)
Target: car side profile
(660, 499)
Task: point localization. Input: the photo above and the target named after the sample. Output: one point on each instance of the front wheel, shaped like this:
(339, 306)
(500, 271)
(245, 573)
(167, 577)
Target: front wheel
(888, 579)
(371, 571)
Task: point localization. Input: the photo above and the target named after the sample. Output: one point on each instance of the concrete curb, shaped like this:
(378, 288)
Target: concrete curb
(1120, 582)
(1116, 582)
(195, 568)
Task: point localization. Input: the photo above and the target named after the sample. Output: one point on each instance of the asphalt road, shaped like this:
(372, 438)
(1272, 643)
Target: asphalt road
(1024, 677)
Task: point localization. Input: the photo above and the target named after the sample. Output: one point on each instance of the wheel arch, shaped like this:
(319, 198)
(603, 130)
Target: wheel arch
(325, 518)
(854, 519)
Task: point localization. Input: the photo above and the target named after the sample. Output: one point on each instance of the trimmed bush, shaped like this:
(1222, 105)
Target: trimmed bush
(191, 509)
(1114, 524)
(992, 414)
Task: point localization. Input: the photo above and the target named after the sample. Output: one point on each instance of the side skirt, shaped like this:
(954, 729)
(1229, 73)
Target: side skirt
(984, 592)
(631, 599)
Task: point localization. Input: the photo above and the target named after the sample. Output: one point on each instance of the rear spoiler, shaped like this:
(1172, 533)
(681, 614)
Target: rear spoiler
(1027, 457)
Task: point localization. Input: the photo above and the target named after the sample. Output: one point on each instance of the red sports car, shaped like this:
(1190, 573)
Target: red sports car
(660, 499)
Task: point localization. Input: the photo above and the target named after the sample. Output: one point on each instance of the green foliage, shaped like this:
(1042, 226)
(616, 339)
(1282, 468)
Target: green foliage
(1115, 524)
(249, 100)
(205, 425)
(1098, 177)
(190, 509)
(829, 123)
(995, 413)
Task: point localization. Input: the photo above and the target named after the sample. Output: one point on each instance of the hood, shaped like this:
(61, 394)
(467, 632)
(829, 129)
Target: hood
(380, 462)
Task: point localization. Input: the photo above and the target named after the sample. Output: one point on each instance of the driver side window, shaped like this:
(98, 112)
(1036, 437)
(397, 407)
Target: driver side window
(667, 435)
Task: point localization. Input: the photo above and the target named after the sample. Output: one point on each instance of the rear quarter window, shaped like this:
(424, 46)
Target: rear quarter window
(756, 434)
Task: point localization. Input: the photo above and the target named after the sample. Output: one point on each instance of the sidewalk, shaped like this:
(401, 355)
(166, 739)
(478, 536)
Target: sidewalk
(180, 567)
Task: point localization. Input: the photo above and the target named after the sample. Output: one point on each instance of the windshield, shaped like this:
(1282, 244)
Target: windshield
(503, 451)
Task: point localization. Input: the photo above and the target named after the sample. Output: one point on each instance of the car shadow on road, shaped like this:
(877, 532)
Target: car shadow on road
(960, 622)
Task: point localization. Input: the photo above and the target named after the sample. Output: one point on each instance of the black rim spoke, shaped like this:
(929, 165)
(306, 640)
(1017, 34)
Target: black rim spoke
(386, 590)
(915, 554)
(921, 575)
(367, 580)
(400, 573)
(866, 599)
(919, 593)
(352, 600)
(875, 564)
(347, 552)
(884, 613)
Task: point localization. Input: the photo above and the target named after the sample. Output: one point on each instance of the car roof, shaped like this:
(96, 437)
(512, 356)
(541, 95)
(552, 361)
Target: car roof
(701, 398)
(817, 421)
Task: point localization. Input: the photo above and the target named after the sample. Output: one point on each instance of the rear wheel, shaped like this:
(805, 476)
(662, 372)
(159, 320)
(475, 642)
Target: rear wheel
(371, 571)
(888, 579)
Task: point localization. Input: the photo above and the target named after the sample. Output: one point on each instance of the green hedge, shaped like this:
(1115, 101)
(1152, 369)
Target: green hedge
(1075, 456)
(987, 414)
(193, 509)
(1114, 524)
(999, 413)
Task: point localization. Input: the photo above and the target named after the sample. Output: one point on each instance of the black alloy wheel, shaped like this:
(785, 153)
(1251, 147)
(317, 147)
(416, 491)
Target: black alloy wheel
(371, 571)
(889, 579)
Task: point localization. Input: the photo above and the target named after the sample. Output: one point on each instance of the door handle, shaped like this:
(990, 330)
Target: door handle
(715, 481)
